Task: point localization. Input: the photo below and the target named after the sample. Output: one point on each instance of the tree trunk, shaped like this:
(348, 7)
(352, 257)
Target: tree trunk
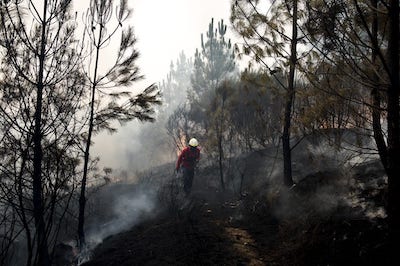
(287, 157)
(375, 94)
(220, 161)
(38, 208)
(24, 220)
(220, 132)
(82, 197)
(393, 118)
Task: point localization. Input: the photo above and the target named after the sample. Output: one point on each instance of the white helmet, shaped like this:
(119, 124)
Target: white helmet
(193, 142)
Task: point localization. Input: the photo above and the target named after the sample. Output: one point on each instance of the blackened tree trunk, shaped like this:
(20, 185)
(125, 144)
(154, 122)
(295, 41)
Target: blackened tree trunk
(82, 197)
(375, 93)
(287, 157)
(393, 118)
(38, 210)
(24, 218)
(220, 132)
(41, 104)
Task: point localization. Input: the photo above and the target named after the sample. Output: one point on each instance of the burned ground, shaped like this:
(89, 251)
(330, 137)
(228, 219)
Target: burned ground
(335, 215)
(329, 218)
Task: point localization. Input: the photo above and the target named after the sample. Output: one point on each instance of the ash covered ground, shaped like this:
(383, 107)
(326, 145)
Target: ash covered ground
(335, 215)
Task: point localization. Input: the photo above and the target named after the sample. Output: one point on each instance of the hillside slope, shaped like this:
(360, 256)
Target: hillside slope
(332, 217)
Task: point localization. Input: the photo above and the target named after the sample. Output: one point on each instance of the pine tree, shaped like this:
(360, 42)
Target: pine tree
(365, 41)
(122, 106)
(265, 36)
(214, 62)
(41, 89)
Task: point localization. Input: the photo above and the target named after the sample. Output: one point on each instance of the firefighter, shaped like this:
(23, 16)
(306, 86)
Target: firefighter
(187, 160)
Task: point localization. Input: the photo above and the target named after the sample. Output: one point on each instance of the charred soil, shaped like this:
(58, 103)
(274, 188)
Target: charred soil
(275, 226)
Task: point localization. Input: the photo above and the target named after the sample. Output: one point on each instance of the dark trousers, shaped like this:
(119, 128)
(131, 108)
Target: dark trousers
(188, 175)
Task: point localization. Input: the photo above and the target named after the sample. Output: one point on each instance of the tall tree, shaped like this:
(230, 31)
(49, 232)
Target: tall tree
(393, 122)
(40, 95)
(177, 83)
(287, 160)
(265, 35)
(365, 38)
(175, 93)
(121, 106)
(212, 66)
(217, 114)
(215, 61)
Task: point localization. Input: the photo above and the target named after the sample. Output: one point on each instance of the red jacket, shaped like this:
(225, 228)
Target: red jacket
(188, 158)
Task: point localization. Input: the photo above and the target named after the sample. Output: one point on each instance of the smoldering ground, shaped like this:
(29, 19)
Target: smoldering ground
(117, 207)
(328, 177)
(111, 209)
(322, 174)
(318, 210)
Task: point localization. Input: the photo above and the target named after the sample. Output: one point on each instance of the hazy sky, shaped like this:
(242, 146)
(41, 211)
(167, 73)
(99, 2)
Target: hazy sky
(163, 28)
(166, 27)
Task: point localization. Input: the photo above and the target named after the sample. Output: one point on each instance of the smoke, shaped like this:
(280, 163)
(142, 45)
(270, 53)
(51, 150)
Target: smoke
(135, 148)
(116, 208)
(127, 210)
(328, 177)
